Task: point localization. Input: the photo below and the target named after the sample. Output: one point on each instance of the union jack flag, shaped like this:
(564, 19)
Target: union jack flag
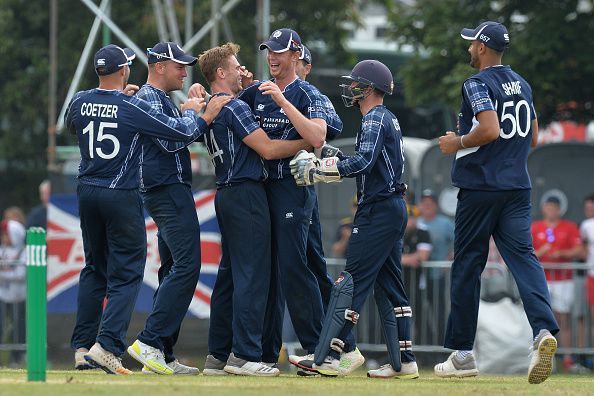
(66, 255)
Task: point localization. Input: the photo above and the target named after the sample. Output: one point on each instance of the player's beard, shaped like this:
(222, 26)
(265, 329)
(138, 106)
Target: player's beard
(474, 62)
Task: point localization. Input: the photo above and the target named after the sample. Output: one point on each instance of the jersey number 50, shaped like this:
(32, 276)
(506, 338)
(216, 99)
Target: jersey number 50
(100, 137)
(511, 113)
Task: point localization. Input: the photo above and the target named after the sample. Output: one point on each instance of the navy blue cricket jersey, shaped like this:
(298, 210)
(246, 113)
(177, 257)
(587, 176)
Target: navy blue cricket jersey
(164, 162)
(333, 121)
(501, 164)
(109, 124)
(234, 161)
(273, 120)
(378, 162)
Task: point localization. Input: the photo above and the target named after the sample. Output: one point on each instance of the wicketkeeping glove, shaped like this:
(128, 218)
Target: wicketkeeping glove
(327, 151)
(307, 169)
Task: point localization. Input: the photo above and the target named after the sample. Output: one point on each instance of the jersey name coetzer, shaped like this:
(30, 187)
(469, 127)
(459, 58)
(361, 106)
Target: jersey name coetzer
(99, 110)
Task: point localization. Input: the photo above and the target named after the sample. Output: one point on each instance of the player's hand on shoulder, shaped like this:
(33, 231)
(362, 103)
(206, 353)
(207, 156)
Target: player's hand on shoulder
(131, 89)
(196, 104)
(197, 90)
(449, 143)
(214, 106)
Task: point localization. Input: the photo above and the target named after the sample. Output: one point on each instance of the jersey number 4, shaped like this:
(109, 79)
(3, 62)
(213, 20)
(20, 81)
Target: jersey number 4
(213, 148)
(90, 129)
(510, 115)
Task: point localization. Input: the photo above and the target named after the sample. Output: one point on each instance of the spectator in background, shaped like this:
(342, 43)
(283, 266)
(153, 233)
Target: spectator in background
(587, 235)
(343, 232)
(14, 213)
(416, 249)
(557, 241)
(38, 215)
(441, 231)
(440, 227)
(12, 284)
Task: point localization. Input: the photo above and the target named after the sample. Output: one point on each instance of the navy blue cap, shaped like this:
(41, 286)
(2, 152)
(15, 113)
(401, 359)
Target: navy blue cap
(162, 52)
(282, 40)
(112, 58)
(305, 55)
(493, 34)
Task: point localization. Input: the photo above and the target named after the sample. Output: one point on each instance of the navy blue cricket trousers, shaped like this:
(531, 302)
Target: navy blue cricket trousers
(114, 239)
(373, 258)
(166, 264)
(291, 279)
(506, 216)
(173, 209)
(316, 261)
(238, 301)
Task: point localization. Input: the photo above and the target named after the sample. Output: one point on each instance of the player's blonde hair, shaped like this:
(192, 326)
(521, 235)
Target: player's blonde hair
(210, 60)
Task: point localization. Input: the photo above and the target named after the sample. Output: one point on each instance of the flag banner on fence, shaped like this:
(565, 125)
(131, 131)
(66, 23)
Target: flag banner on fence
(66, 255)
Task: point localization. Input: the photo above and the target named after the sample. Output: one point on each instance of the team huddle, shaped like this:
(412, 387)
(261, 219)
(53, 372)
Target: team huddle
(267, 142)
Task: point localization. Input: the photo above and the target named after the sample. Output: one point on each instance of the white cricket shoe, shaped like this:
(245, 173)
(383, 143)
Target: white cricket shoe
(408, 370)
(151, 358)
(80, 363)
(106, 360)
(214, 366)
(350, 361)
(240, 366)
(543, 352)
(177, 367)
(455, 367)
(304, 362)
(329, 368)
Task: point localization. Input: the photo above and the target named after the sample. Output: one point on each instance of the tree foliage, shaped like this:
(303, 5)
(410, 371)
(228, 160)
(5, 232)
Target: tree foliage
(552, 42)
(24, 65)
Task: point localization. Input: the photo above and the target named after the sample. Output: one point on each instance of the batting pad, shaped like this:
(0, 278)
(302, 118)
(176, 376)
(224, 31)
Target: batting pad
(338, 311)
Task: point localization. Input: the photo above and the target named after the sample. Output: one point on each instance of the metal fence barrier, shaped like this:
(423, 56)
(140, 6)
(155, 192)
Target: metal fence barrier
(12, 315)
(428, 289)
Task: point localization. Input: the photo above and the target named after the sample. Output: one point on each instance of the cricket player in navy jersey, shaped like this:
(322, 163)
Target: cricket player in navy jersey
(315, 251)
(236, 144)
(375, 246)
(165, 182)
(288, 109)
(497, 127)
(316, 261)
(109, 125)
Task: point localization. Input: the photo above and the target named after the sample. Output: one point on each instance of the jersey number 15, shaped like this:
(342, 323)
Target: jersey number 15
(100, 137)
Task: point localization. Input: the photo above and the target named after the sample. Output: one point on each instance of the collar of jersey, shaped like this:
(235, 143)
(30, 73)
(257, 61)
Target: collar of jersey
(108, 90)
(289, 85)
(159, 90)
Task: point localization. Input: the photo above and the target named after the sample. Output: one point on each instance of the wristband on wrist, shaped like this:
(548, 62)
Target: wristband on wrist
(462, 142)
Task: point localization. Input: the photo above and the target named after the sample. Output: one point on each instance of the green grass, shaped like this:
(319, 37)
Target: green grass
(65, 383)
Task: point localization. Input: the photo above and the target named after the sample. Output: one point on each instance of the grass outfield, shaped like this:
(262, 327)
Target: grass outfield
(66, 383)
